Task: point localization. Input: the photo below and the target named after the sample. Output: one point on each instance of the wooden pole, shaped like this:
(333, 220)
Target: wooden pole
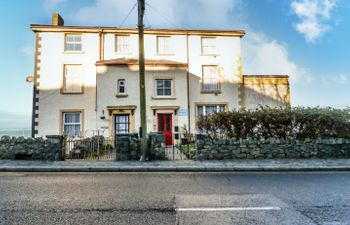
(143, 130)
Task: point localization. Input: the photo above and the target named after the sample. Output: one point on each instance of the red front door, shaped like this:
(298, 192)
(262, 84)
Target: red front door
(165, 127)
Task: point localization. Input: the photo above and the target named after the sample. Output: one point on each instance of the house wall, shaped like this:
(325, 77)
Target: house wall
(53, 57)
(107, 97)
(177, 41)
(51, 100)
(228, 61)
(272, 91)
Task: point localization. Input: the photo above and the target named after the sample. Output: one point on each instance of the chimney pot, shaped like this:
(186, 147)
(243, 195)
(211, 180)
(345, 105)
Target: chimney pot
(57, 20)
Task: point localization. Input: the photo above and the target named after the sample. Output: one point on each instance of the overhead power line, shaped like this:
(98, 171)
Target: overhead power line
(148, 21)
(162, 15)
(127, 16)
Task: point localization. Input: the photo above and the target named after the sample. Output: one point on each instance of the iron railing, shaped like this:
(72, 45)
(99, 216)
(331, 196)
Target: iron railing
(94, 148)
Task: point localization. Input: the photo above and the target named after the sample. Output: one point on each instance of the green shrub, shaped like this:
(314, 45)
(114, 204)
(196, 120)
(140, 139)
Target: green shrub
(265, 122)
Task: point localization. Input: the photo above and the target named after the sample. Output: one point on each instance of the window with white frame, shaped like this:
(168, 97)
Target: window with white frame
(164, 45)
(72, 124)
(121, 87)
(164, 87)
(122, 43)
(208, 45)
(73, 79)
(207, 110)
(210, 79)
(73, 43)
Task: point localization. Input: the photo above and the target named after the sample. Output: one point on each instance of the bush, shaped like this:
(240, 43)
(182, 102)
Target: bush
(265, 122)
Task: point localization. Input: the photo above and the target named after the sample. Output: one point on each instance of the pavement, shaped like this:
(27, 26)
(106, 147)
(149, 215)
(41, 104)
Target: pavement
(177, 165)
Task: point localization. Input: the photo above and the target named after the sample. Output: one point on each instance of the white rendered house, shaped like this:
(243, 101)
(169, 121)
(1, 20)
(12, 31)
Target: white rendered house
(86, 79)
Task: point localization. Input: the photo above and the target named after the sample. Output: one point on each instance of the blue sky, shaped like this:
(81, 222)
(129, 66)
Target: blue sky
(306, 39)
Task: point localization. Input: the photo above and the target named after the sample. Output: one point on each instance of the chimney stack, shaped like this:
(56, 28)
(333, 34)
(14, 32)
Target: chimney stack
(57, 20)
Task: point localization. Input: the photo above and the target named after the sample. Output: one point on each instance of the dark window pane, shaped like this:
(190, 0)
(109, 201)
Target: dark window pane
(70, 38)
(159, 83)
(167, 83)
(161, 123)
(160, 92)
(200, 111)
(168, 127)
(77, 38)
(78, 47)
(167, 92)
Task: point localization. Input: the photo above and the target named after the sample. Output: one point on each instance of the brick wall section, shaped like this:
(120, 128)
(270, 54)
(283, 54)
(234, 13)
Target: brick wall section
(270, 148)
(49, 149)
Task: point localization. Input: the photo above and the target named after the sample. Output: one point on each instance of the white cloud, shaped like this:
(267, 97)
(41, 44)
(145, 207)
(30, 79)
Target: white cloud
(106, 12)
(159, 13)
(269, 57)
(28, 50)
(312, 15)
(341, 78)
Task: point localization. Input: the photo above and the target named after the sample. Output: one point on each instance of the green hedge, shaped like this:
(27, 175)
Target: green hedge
(298, 123)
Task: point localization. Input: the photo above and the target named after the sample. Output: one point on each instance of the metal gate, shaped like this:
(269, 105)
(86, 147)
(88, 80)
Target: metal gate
(182, 147)
(94, 148)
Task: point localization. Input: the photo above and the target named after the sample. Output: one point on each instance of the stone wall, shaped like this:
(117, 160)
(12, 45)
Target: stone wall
(270, 148)
(127, 147)
(20, 148)
(156, 146)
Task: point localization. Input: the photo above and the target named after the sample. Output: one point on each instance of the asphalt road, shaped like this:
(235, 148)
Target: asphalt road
(175, 198)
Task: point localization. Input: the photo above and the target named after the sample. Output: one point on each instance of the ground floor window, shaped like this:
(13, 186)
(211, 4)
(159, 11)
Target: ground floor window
(71, 124)
(207, 110)
(122, 124)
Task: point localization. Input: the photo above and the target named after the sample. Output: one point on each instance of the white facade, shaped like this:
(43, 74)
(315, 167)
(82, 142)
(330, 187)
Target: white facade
(179, 57)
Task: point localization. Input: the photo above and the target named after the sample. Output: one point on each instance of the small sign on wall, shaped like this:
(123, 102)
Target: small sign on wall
(182, 112)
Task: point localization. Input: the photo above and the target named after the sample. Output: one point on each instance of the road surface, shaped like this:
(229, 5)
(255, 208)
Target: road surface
(175, 198)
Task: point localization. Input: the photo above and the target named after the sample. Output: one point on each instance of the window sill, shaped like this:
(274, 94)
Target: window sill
(72, 93)
(211, 92)
(214, 55)
(73, 52)
(165, 54)
(121, 95)
(164, 97)
(123, 53)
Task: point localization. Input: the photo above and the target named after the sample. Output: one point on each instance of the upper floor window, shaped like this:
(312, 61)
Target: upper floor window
(207, 110)
(164, 45)
(210, 79)
(164, 87)
(121, 87)
(73, 79)
(73, 43)
(208, 45)
(122, 43)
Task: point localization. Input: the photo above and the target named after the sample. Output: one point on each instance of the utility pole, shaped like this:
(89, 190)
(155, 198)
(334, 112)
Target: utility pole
(143, 130)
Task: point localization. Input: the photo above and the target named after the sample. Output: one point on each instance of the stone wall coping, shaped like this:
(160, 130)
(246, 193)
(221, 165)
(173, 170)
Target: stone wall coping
(330, 140)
